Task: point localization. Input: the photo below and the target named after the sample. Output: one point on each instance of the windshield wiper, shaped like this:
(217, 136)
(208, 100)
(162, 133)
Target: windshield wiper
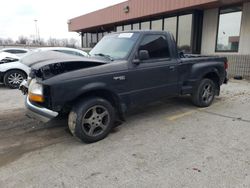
(105, 55)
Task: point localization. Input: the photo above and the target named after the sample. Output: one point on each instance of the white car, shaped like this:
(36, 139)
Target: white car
(65, 50)
(17, 51)
(13, 73)
(8, 57)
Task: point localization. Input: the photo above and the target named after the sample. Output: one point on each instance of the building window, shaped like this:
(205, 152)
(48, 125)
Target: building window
(145, 25)
(84, 42)
(119, 28)
(94, 38)
(136, 26)
(185, 33)
(157, 25)
(100, 35)
(127, 27)
(156, 45)
(228, 36)
(88, 40)
(170, 25)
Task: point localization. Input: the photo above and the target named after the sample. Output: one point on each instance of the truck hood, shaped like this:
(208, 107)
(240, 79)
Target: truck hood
(49, 63)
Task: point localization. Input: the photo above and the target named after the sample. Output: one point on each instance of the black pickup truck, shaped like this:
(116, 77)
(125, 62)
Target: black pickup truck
(124, 70)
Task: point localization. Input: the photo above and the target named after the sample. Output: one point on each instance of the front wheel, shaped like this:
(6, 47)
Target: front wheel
(92, 119)
(204, 93)
(14, 78)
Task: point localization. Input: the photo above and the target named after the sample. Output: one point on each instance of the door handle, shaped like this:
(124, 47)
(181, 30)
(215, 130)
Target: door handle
(172, 68)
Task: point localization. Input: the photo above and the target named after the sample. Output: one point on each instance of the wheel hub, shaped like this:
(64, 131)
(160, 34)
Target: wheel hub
(15, 78)
(95, 120)
(207, 93)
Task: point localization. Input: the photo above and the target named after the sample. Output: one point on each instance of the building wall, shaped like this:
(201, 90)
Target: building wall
(138, 9)
(245, 30)
(210, 24)
(239, 63)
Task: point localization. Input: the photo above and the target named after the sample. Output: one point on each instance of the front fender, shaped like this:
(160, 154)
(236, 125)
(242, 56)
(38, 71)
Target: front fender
(102, 90)
(93, 86)
(14, 66)
(63, 94)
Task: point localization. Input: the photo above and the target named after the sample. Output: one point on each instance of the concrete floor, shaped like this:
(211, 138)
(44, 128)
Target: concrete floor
(166, 144)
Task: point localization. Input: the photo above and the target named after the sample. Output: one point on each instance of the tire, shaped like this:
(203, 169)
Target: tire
(204, 93)
(91, 119)
(14, 78)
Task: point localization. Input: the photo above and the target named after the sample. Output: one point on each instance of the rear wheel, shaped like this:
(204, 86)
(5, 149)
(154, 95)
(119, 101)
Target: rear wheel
(14, 78)
(204, 93)
(92, 119)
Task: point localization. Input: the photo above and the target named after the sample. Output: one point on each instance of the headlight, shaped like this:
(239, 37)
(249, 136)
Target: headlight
(36, 91)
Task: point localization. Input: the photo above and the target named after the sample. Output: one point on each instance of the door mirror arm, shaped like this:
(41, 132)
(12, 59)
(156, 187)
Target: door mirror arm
(136, 61)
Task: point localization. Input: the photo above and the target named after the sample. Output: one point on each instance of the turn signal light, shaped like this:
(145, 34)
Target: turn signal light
(36, 98)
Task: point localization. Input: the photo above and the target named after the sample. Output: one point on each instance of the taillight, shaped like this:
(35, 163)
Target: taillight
(226, 65)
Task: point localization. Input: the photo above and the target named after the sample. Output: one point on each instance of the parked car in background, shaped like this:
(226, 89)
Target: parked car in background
(6, 57)
(17, 51)
(12, 73)
(71, 51)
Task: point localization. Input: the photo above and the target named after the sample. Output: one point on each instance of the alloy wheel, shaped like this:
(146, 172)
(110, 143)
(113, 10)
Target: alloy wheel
(15, 79)
(207, 93)
(95, 120)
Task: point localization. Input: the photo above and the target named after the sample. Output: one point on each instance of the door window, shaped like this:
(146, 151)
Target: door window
(156, 45)
(16, 51)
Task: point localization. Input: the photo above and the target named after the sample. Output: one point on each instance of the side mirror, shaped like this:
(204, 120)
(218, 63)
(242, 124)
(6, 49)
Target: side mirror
(143, 55)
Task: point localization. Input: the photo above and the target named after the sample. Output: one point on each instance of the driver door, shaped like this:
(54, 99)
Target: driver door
(155, 77)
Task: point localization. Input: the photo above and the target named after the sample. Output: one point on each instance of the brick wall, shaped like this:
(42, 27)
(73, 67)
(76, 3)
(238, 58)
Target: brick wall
(239, 65)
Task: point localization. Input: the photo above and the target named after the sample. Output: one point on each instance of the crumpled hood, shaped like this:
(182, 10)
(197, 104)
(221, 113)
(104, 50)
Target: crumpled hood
(39, 59)
(48, 64)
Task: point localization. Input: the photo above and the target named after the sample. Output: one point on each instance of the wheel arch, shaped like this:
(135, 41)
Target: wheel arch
(215, 78)
(16, 70)
(102, 93)
(8, 73)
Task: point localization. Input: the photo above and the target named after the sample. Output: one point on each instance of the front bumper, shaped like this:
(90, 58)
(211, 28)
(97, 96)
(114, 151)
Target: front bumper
(39, 112)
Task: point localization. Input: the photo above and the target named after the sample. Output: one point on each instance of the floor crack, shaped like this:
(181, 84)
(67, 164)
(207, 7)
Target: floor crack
(226, 116)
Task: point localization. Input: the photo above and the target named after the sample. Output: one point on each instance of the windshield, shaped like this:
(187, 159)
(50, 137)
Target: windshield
(115, 46)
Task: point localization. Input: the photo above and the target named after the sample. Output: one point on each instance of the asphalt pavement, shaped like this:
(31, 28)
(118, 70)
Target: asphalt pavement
(170, 143)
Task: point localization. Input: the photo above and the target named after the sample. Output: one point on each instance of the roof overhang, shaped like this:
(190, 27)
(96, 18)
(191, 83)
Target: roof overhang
(137, 9)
